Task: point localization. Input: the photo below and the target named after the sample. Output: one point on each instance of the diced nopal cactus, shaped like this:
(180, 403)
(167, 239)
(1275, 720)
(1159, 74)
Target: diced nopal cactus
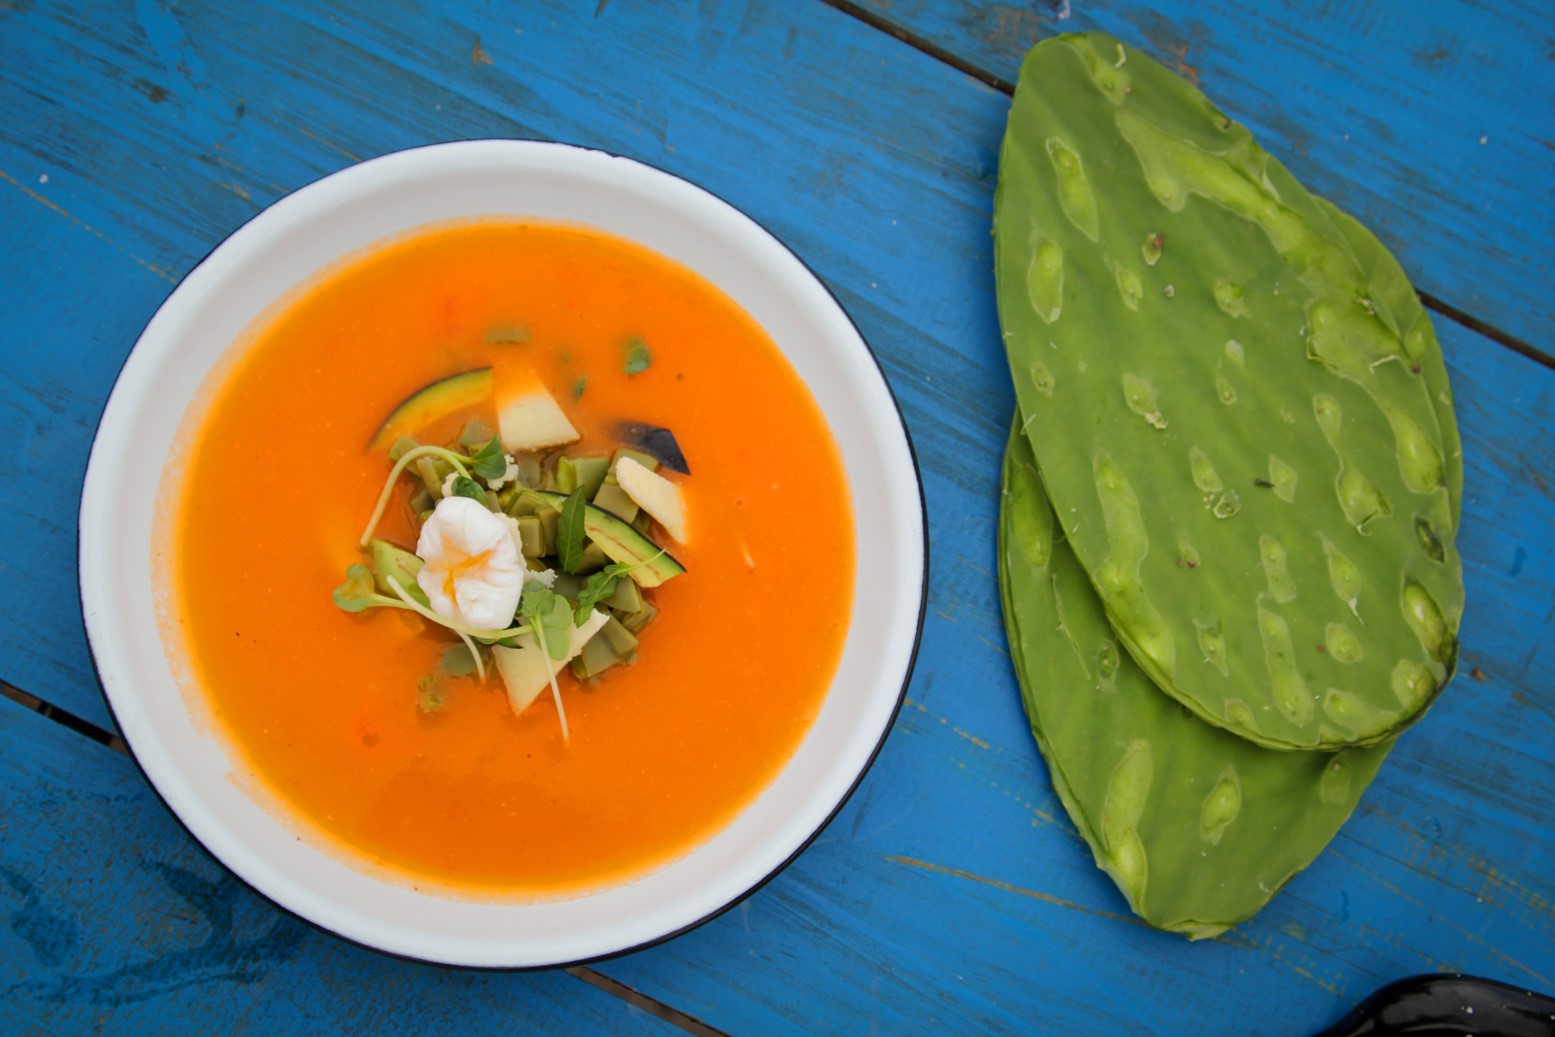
(1271, 394)
(1198, 828)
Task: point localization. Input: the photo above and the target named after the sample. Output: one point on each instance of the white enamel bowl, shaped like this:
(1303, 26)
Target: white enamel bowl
(192, 767)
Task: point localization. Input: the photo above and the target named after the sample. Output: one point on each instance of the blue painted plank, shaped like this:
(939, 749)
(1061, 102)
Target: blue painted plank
(951, 889)
(207, 131)
(1434, 124)
(113, 920)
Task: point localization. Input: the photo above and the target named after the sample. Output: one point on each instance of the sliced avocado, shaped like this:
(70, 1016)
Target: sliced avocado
(622, 543)
(399, 563)
(432, 402)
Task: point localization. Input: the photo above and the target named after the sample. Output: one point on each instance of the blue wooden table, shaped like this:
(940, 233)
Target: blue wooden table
(951, 894)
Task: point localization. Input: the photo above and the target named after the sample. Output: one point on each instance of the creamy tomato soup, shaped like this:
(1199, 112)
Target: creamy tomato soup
(330, 708)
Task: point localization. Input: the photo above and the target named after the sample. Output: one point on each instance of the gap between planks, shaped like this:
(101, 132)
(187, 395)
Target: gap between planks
(658, 1009)
(1004, 86)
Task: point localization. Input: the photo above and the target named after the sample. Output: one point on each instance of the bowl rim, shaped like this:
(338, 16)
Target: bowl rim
(98, 637)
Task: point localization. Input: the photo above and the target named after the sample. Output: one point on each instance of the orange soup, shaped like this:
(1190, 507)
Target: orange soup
(331, 709)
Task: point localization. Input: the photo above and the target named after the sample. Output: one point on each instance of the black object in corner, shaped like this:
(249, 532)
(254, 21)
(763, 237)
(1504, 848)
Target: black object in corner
(1449, 1005)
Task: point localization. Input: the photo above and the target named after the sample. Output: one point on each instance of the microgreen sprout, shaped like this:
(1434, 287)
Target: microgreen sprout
(600, 585)
(569, 531)
(548, 617)
(478, 634)
(457, 460)
(464, 487)
(359, 592)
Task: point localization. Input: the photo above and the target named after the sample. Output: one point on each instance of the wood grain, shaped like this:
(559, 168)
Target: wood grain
(951, 893)
(113, 919)
(1434, 125)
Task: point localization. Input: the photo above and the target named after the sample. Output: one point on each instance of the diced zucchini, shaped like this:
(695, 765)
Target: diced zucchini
(531, 536)
(433, 471)
(620, 541)
(597, 656)
(568, 586)
(615, 500)
(587, 472)
(620, 638)
(642, 457)
(636, 621)
(626, 597)
(402, 446)
(529, 469)
(594, 559)
(388, 560)
(549, 520)
(477, 433)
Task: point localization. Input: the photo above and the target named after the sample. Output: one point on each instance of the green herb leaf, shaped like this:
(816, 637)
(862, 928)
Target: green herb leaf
(637, 356)
(429, 696)
(465, 487)
(557, 624)
(596, 588)
(457, 660)
(569, 532)
(578, 386)
(489, 462)
(535, 599)
(550, 617)
(359, 591)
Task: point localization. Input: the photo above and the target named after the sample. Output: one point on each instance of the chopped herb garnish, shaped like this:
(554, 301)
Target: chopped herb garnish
(600, 585)
(467, 487)
(595, 589)
(549, 617)
(637, 356)
(358, 592)
(569, 532)
(508, 335)
(489, 462)
(429, 696)
(559, 534)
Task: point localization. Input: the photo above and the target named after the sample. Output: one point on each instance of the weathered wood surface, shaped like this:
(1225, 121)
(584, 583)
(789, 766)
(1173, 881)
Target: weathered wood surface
(117, 920)
(951, 891)
(1434, 124)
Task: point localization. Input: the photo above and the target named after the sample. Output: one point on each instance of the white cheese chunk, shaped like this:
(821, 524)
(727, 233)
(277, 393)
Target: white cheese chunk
(654, 494)
(532, 420)
(527, 671)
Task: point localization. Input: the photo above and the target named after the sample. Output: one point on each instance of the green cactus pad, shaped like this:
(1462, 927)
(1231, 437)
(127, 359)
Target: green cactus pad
(1236, 402)
(1199, 828)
